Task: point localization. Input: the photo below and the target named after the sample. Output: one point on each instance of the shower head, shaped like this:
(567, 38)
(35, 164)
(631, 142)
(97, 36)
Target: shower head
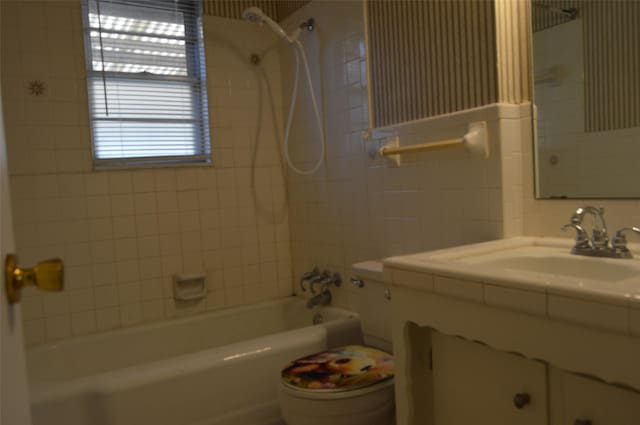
(255, 15)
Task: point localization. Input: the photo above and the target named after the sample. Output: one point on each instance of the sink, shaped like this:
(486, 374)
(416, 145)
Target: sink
(541, 264)
(525, 295)
(549, 260)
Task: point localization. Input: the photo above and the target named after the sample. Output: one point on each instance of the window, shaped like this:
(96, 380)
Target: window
(146, 82)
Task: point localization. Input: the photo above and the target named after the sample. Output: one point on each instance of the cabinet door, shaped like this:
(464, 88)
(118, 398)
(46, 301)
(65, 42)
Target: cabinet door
(577, 400)
(474, 384)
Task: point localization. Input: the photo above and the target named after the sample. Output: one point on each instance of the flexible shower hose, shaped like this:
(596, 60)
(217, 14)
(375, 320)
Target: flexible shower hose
(297, 45)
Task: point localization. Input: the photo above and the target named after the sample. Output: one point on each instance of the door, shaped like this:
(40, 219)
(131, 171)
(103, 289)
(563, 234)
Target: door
(579, 400)
(475, 384)
(14, 397)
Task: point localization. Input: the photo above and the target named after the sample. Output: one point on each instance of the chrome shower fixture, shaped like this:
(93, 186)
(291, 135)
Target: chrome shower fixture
(255, 15)
(309, 25)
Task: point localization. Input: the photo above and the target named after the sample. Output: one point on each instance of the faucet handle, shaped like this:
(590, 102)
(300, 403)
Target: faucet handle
(582, 238)
(325, 280)
(312, 273)
(307, 276)
(319, 278)
(619, 242)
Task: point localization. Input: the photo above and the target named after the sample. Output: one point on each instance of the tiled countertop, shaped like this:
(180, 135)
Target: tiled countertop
(612, 305)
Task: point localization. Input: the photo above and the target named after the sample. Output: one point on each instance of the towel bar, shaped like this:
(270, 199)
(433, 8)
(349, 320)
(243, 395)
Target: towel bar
(475, 140)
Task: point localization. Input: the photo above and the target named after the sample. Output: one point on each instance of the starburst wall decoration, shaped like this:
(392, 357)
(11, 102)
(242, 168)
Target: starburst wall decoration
(36, 88)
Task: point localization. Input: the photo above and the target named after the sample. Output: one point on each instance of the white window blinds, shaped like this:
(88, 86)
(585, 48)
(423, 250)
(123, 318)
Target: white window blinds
(146, 82)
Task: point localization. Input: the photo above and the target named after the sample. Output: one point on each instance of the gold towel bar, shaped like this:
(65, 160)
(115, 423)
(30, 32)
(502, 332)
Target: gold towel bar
(387, 150)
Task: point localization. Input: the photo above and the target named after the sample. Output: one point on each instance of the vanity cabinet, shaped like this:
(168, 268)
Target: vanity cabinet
(577, 316)
(474, 384)
(578, 400)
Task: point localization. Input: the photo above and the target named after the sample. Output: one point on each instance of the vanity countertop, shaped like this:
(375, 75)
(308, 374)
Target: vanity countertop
(534, 275)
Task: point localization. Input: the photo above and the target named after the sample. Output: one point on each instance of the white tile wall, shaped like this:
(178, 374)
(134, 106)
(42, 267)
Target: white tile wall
(357, 207)
(516, 299)
(594, 314)
(123, 234)
(618, 316)
(466, 289)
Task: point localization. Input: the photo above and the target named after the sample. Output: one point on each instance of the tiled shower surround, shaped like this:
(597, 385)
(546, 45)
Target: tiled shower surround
(124, 234)
(358, 207)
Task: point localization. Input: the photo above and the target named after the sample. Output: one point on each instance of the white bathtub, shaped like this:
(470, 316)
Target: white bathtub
(219, 368)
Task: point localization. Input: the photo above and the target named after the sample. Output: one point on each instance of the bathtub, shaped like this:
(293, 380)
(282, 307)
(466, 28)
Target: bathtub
(214, 369)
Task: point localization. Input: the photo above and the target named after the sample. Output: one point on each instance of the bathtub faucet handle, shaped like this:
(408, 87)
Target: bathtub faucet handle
(308, 276)
(318, 279)
(336, 279)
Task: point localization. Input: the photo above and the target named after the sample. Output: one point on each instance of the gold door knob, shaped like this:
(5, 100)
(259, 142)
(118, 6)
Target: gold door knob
(47, 275)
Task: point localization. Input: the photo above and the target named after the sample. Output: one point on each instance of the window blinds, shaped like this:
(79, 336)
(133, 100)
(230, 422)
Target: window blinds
(146, 82)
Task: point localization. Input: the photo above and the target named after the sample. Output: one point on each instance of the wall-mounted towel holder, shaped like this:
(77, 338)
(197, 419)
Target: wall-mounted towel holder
(475, 140)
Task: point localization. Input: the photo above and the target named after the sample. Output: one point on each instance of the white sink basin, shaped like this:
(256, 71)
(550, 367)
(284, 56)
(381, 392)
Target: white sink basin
(548, 260)
(544, 264)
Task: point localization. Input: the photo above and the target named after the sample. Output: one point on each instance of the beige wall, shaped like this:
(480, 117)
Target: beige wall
(123, 234)
(513, 44)
(429, 58)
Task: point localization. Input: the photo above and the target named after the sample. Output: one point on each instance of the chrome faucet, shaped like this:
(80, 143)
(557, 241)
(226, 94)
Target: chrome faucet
(599, 236)
(323, 298)
(598, 244)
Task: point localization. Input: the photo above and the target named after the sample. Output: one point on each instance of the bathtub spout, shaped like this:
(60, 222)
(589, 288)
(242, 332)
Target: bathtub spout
(323, 298)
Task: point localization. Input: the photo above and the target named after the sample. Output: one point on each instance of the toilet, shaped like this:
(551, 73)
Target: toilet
(353, 384)
(350, 385)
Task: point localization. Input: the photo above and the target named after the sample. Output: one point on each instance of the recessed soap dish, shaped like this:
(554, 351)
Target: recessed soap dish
(189, 287)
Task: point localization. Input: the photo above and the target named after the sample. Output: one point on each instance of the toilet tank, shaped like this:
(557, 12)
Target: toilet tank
(371, 300)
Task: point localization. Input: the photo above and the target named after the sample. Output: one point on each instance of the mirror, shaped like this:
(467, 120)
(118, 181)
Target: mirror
(586, 57)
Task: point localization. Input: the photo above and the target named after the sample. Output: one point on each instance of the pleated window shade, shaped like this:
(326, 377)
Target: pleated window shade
(146, 82)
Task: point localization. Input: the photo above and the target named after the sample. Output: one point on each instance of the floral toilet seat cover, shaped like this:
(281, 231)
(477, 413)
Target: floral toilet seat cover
(341, 369)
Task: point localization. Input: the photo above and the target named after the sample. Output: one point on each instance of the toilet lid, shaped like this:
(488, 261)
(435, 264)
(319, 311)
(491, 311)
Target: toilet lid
(341, 369)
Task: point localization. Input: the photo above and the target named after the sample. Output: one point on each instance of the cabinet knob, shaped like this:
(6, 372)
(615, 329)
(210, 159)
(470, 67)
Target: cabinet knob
(582, 422)
(520, 400)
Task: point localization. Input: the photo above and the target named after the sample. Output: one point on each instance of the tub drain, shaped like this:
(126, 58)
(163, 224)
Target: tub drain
(317, 319)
